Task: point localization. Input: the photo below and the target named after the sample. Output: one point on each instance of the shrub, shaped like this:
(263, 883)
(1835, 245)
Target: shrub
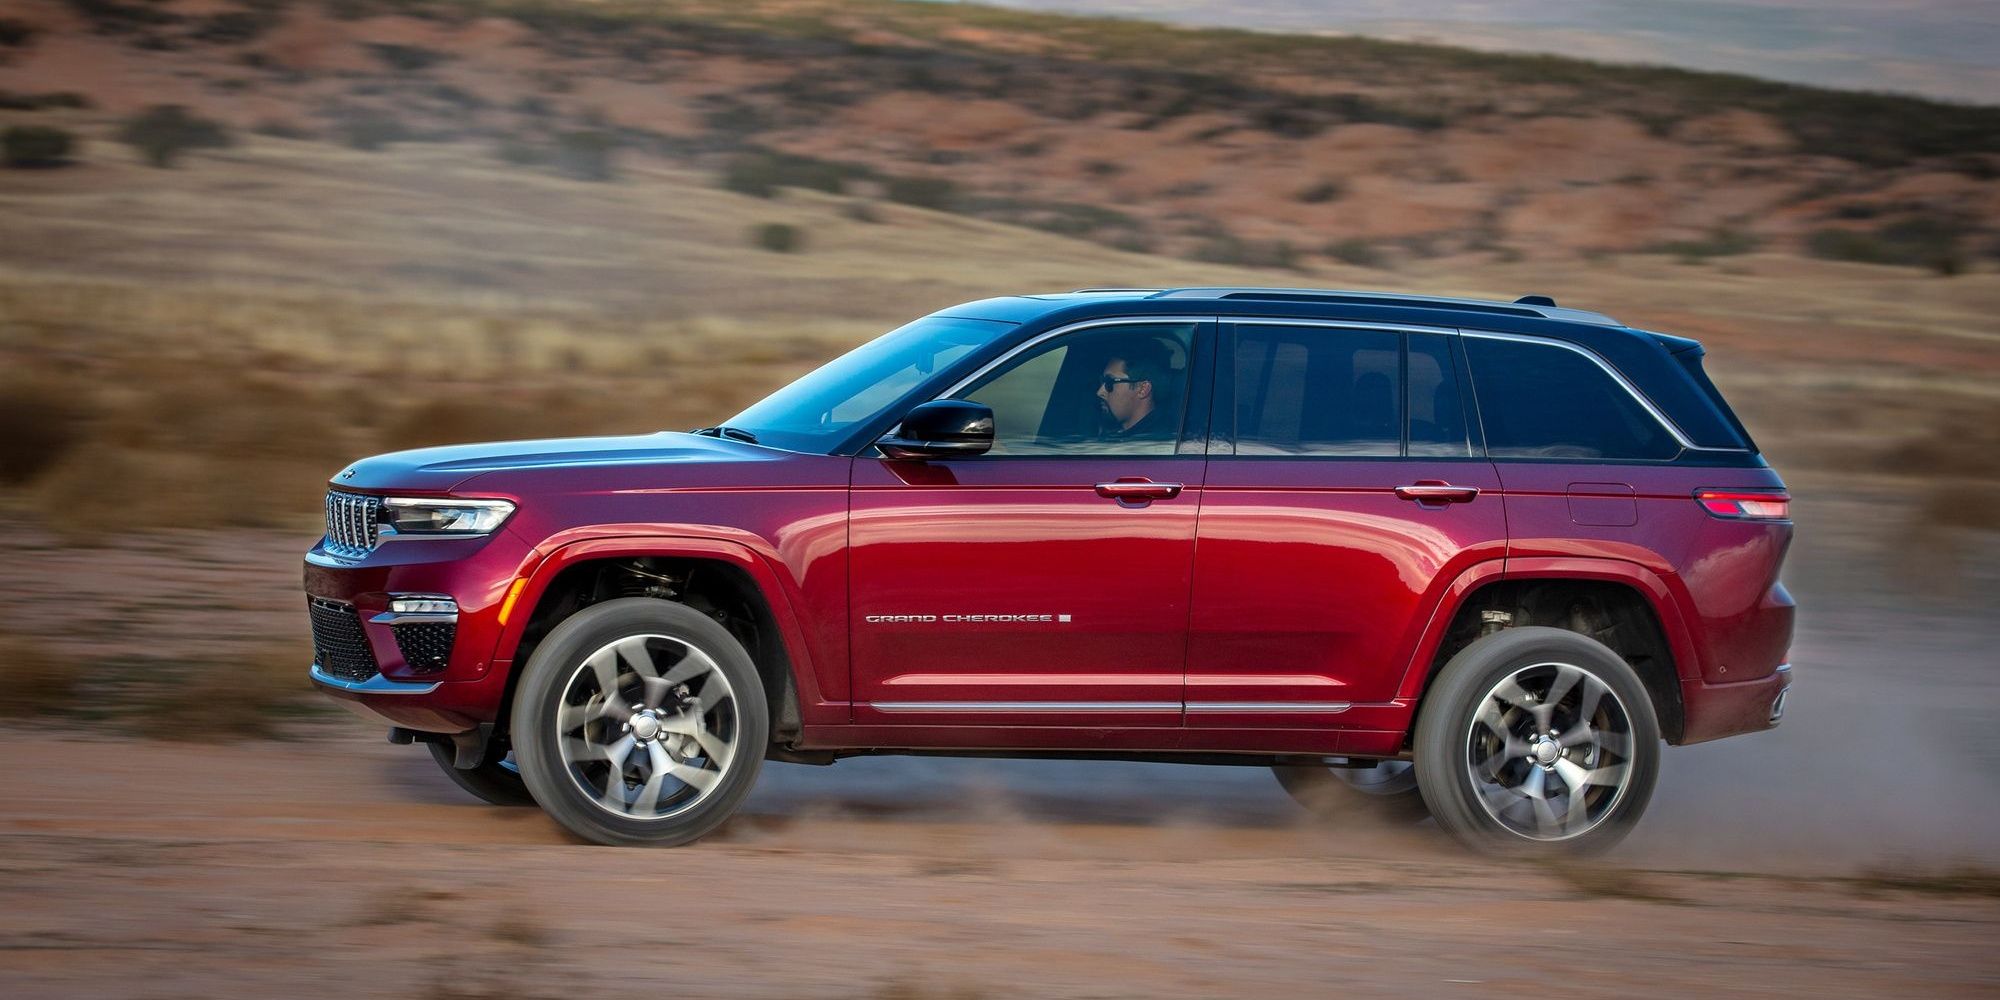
(283, 130)
(1358, 252)
(923, 192)
(1918, 241)
(14, 101)
(1323, 192)
(36, 146)
(44, 423)
(372, 132)
(778, 237)
(760, 174)
(14, 33)
(521, 152)
(33, 682)
(585, 155)
(1722, 242)
(1223, 247)
(163, 132)
(862, 211)
(234, 27)
(406, 58)
(114, 17)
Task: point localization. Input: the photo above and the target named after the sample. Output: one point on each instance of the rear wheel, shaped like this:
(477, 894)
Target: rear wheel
(1537, 741)
(641, 722)
(495, 781)
(1386, 791)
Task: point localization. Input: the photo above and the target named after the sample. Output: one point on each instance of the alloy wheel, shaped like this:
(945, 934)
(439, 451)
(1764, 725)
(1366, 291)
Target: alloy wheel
(647, 726)
(1550, 751)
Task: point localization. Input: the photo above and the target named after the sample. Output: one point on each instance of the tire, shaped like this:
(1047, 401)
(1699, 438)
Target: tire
(1494, 776)
(627, 698)
(1387, 792)
(497, 782)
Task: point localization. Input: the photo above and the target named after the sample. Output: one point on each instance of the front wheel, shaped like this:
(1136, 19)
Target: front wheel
(494, 781)
(1537, 741)
(640, 722)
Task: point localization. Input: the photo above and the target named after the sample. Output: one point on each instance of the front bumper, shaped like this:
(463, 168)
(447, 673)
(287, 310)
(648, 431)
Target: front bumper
(371, 671)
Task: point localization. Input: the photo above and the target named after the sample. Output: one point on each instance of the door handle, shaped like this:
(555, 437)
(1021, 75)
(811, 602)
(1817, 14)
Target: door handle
(1436, 493)
(1137, 491)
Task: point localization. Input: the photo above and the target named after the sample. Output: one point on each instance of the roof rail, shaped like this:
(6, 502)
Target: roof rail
(1107, 291)
(1532, 305)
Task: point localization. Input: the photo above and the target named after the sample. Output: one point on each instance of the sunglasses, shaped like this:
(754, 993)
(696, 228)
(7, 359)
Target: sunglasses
(1110, 382)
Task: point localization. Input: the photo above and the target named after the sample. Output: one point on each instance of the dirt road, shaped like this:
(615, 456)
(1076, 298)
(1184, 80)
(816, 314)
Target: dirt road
(337, 865)
(333, 864)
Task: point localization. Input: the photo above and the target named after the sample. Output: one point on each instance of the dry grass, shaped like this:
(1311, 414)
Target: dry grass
(250, 696)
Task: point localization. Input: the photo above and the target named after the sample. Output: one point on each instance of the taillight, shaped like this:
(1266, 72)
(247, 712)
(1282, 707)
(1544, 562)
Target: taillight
(1745, 505)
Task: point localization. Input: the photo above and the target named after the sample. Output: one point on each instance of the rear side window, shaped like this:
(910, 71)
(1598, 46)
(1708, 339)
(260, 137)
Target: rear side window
(1544, 401)
(1318, 391)
(1437, 420)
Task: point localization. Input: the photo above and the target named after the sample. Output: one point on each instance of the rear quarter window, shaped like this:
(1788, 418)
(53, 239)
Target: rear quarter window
(1545, 401)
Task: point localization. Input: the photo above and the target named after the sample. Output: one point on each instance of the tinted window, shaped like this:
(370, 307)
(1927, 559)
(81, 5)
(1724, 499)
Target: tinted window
(1318, 391)
(1437, 420)
(1542, 401)
(1114, 390)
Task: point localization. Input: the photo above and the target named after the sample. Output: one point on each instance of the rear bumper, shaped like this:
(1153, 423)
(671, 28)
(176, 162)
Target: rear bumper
(1713, 711)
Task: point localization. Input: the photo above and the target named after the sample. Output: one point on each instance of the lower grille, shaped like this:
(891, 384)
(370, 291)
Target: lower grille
(426, 646)
(340, 647)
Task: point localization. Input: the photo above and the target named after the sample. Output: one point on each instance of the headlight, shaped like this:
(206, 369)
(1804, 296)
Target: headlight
(422, 516)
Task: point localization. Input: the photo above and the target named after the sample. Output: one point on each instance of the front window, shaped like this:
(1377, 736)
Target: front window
(1119, 389)
(816, 412)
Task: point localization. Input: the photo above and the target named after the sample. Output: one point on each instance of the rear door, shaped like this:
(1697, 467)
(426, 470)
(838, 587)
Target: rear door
(1044, 584)
(1344, 493)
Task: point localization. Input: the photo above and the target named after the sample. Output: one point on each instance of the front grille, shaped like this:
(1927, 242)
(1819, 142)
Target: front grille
(353, 523)
(426, 646)
(339, 646)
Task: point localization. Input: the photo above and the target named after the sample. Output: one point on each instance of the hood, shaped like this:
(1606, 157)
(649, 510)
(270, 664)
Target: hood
(438, 470)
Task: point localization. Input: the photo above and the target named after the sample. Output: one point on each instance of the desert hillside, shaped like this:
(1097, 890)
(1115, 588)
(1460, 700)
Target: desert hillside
(1223, 147)
(244, 241)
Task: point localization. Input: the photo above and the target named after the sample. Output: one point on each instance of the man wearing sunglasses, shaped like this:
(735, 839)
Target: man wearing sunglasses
(1130, 393)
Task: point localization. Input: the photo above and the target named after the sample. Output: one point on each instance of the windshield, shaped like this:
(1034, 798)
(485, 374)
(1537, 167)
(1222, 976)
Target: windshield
(814, 413)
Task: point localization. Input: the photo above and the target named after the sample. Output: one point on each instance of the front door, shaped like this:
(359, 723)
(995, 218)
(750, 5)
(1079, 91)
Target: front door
(1044, 584)
(1345, 493)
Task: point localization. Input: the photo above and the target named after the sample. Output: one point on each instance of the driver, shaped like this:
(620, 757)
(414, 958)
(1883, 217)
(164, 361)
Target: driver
(1131, 393)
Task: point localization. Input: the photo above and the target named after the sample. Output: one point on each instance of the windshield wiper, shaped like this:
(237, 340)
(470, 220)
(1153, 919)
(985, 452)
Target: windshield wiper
(733, 433)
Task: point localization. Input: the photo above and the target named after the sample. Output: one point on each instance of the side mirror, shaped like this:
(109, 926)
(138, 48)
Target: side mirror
(942, 428)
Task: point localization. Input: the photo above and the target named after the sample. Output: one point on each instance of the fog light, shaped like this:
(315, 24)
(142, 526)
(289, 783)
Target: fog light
(423, 605)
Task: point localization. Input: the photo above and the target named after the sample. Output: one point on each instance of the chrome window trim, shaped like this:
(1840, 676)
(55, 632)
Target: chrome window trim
(377, 684)
(1617, 376)
(1024, 706)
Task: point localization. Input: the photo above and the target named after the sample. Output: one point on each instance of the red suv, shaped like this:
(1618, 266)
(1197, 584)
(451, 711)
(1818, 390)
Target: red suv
(1475, 560)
